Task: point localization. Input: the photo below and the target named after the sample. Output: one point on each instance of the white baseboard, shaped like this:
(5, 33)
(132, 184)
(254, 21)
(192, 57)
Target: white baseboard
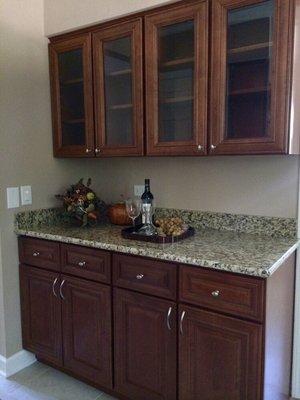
(12, 365)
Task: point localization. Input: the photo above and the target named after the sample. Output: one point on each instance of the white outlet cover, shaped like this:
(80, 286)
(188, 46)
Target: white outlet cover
(139, 190)
(13, 197)
(26, 195)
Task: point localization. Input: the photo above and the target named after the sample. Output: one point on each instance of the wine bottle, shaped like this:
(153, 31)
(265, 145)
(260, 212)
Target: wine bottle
(147, 201)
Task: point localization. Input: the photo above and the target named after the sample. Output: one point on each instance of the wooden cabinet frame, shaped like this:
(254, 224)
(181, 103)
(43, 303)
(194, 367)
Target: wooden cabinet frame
(134, 29)
(81, 42)
(277, 140)
(199, 13)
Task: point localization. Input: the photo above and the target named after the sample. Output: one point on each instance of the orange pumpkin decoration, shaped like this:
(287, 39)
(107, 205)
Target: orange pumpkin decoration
(117, 214)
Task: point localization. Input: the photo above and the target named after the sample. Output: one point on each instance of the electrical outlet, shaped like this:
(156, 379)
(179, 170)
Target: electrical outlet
(139, 190)
(26, 196)
(13, 197)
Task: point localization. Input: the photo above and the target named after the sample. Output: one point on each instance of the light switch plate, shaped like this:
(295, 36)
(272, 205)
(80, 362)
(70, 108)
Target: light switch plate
(139, 190)
(13, 197)
(26, 195)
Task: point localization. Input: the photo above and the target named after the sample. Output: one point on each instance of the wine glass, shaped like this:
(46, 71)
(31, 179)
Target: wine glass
(133, 208)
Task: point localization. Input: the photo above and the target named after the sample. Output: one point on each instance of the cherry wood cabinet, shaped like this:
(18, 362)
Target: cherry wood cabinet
(138, 85)
(118, 88)
(176, 80)
(157, 330)
(250, 76)
(86, 316)
(41, 313)
(218, 357)
(72, 96)
(145, 346)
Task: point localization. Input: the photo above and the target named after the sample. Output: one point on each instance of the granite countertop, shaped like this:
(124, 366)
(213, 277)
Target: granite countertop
(243, 253)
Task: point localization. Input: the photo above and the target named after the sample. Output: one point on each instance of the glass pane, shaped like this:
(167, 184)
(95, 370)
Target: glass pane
(118, 92)
(72, 97)
(176, 81)
(249, 57)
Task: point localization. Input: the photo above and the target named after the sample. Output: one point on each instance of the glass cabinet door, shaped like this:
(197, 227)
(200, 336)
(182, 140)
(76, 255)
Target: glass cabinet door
(71, 82)
(249, 77)
(176, 80)
(118, 89)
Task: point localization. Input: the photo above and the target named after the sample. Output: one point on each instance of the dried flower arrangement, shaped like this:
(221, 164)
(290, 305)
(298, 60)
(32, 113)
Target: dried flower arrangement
(81, 204)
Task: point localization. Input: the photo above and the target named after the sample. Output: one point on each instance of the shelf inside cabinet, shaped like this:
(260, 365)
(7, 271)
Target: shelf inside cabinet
(72, 81)
(179, 99)
(249, 91)
(120, 106)
(177, 62)
(250, 47)
(127, 71)
(74, 121)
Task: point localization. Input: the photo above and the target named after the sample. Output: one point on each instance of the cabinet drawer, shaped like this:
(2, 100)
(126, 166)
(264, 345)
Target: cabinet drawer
(145, 275)
(85, 262)
(39, 253)
(224, 292)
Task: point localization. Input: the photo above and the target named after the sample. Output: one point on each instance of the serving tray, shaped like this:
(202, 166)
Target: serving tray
(131, 233)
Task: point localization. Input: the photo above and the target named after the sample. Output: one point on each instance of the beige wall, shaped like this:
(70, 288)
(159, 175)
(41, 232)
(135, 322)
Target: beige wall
(25, 142)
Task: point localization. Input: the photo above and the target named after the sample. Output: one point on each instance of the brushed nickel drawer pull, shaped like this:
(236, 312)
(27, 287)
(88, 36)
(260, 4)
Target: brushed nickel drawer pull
(36, 254)
(168, 318)
(82, 263)
(60, 290)
(139, 276)
(215, 293)
(53, 286)
(181, 322)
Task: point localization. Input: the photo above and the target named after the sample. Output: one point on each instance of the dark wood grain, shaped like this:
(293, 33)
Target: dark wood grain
(81, 42)
(86, 314)
(85, 262)
(131, 29)
(199, 14)
(145, 349)
(219, 357)
(39, 253)
(145, 275)
(276, 141)
(41, 313)
(241, 296)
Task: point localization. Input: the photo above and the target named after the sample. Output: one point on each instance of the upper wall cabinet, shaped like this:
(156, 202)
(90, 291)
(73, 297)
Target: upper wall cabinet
(250, 76)
(118, 88)
(72, 97)
(176, 80)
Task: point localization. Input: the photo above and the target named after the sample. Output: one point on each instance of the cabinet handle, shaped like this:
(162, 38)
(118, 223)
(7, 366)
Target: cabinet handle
(213, 147)
(60, 290)
(36, 254)
(181, 322)
(200, 148)
(88, 151)
(139, 276)
(215, 293)
(97, 151)
(82, 263)
(53, 286)
(168, 318)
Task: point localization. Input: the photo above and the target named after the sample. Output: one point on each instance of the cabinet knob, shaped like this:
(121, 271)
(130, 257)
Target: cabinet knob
(215, 293)
(82, 263)
(200, 147)
(139, 276)
(97, 151)
(88, 151)
(213, 147)
(36, 254)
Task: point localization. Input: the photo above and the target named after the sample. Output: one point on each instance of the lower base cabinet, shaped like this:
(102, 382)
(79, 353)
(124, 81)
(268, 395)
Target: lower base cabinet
(86, 316)
(154, 330)
(145, 346)
(219, 357)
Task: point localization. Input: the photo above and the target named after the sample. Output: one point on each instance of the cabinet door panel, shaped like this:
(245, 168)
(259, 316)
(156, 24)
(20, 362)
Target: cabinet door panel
(145, 346)
(87, 329)
(72, 97)
(41, 313)
(119, 89)
(176, 80)
(250, 76)
(219, 357)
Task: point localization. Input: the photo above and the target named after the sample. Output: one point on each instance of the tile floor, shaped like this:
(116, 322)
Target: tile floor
(40, 382)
